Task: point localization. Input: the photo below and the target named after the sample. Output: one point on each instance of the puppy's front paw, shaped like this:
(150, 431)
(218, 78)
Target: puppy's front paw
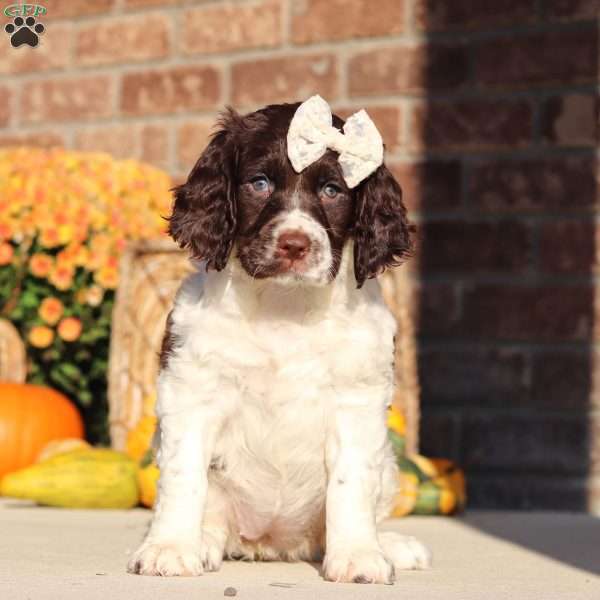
(166, 559)
(405, 552)
(358, 565)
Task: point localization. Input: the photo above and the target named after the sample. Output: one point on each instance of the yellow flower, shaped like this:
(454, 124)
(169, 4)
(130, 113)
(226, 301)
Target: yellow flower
(70, 328)
(41, 264)
(95, 260)
(82, 256)
(107, 277)
(65, 233)
(40, 336)
(6, 253)
(101, 242)
(61, 277)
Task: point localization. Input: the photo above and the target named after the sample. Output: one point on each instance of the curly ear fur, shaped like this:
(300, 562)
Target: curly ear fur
(204, 213)
(381, 231)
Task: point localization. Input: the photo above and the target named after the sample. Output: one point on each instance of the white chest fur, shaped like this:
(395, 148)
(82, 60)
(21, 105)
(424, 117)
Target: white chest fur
(274, 361)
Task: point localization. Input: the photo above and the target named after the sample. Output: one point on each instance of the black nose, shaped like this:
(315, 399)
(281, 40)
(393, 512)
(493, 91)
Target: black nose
(293, 244)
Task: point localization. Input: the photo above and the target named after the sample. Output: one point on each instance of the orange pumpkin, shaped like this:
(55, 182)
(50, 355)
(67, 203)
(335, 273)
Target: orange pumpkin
(30, 417)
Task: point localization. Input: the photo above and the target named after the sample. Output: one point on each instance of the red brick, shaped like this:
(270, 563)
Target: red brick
(226, 27)
(439, 434)
(192, 138)
(39, 139)
(429, 186)
(473, 247)
(74, 99)
(540, 58)
(142, 37)
(563, 379)
(284, 79)
(118, 140)
(510, 312)
(403, 69)
(572, 9)
(439, 312)
(51, 53)
(556, 444)
(132, 4)
(5, 106)
(334, 20)
(569, 247)
(474, 377)
(570, 120)
(471, 124)
(154, 144)
(388, 120)
(76, 8)
(173, 90)
(437, 15)
(566, 183)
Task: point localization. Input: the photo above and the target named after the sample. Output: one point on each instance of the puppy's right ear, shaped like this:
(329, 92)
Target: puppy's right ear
(204, 213)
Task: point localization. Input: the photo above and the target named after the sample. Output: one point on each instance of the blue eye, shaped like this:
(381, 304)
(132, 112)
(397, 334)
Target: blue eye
(331, 190)
(260, 183)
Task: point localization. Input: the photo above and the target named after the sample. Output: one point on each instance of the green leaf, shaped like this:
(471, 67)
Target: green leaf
(147, 458)
(29, 300)
(70, 370)
(85, 397)
(398, 443)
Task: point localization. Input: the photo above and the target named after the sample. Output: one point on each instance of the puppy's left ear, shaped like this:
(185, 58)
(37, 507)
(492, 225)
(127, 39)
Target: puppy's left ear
(204, 216)
(381, 230)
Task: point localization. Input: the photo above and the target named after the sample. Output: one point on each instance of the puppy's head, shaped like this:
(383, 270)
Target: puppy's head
(290, 226)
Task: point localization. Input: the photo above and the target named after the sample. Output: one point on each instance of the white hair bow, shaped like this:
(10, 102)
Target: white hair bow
(311, 132)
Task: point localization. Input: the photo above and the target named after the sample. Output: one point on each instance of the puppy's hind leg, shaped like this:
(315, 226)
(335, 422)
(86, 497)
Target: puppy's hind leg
(215, 528)
(403, 551)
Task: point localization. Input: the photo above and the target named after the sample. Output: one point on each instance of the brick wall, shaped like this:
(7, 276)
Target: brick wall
(489, 113)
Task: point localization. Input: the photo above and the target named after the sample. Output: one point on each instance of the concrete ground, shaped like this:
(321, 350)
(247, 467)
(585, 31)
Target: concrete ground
(54, 554)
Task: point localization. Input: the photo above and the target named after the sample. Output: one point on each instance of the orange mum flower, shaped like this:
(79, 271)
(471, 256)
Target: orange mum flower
(49, 238)
(107, 277)
(83, 254)
(67, 256)
(51, 310)
(41, 336)
(6, 253)
(69, 329)
(61, 277)
(40, 264)
(6, 231)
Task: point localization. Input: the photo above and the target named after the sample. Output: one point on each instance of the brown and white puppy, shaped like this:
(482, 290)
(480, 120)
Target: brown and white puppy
(277, 365)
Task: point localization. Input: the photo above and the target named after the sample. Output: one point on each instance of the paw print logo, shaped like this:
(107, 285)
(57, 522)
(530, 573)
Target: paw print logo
(24, 31)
